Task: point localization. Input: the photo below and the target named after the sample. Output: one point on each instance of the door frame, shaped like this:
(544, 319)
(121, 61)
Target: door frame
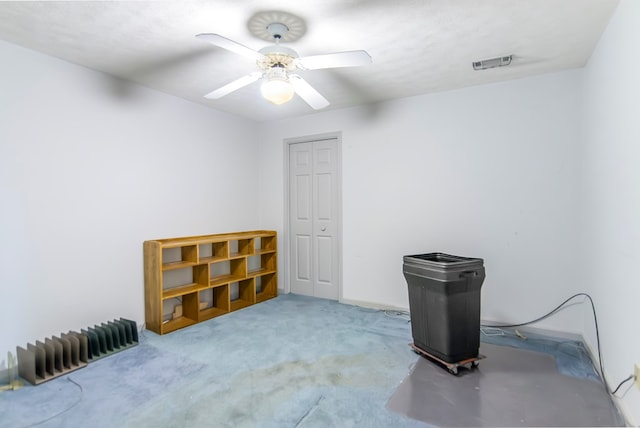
(287, 224)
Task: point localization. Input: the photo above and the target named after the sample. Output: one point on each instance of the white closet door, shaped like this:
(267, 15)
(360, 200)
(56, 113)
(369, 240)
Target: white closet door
(313, 216)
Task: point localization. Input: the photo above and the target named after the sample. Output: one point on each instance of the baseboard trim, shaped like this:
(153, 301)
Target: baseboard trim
(372, 305)
(542, 331)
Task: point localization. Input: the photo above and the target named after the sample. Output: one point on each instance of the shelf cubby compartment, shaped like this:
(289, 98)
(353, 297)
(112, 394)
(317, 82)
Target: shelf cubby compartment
(179, 257)
(240, 247)
(185, 315)
(178, 282)
(244, 294)
(179, 298)
(264, 244)
(201, 276)
(266, 287)
(228, 271)
(238, 268)
(214, 302)
(213, 252)
(262, 264)
(254, 263)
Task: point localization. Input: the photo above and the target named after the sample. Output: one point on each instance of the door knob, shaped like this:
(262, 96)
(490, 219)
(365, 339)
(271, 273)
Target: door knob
(323, 228)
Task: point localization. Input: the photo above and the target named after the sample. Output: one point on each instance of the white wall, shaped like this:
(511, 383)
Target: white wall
(487, 171)
(89, 169)
(611, 210)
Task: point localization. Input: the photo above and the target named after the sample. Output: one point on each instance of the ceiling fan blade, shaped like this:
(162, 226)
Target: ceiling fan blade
(334, 60)
(307, 93)
(230, 45)
(234, 86)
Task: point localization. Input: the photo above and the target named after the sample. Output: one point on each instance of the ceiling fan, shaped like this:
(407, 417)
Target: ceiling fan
(277, 65)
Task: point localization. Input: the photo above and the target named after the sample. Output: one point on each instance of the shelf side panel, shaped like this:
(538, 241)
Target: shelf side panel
(152, 285)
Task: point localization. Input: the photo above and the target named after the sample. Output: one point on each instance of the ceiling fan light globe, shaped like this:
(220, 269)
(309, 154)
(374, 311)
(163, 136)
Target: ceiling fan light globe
(277, 91)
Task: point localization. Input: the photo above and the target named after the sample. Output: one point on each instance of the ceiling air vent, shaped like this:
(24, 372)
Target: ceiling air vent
(500, 61)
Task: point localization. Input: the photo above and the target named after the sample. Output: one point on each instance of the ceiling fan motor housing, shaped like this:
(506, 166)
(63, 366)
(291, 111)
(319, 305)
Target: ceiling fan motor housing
(277, 55)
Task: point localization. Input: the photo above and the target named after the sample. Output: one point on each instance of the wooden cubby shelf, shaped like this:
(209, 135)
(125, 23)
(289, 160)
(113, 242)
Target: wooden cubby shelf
(195, 278)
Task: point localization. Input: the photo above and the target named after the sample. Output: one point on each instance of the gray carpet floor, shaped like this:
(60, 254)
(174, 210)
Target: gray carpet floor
(296, 361)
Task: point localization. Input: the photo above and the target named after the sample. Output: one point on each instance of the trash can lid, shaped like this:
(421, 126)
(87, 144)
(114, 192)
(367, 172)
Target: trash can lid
(443, 260)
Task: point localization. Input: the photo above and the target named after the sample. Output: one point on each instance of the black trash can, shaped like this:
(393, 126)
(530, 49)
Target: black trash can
(444, 301)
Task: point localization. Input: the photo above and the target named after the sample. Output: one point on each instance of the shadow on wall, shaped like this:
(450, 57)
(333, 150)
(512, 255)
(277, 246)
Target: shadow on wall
(124, 88)
(339, 82)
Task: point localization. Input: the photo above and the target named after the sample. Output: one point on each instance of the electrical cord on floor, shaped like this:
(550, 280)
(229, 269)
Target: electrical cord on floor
(403, 315)
(556, 309)
(595, 320)
(391, 313)
(622, 383)
(65, 410)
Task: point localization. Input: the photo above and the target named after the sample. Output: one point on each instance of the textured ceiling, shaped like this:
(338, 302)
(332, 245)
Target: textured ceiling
(417, 46)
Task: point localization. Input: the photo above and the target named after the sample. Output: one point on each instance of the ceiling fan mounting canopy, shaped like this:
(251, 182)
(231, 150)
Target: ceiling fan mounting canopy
(259, 26)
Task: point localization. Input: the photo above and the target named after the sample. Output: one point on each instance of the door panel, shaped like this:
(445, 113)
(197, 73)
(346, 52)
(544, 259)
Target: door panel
(313, 216)
(303, 258)
(302, 158)
(325, 218)
(324, 284)
(323, 156)
(325, 268)
(301, 218)
(325, 195)
(303, 198)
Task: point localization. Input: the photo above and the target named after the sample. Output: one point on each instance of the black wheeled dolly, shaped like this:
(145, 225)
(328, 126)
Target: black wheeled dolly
(451, 367)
